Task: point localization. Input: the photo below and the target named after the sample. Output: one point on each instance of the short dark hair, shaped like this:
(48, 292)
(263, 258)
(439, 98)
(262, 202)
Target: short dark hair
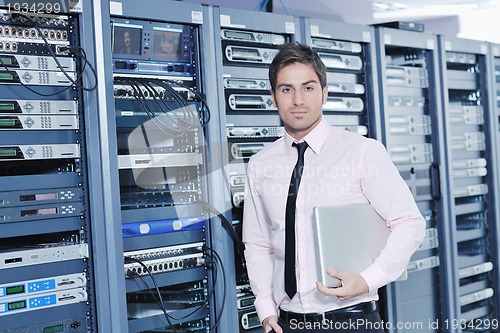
(291, 53)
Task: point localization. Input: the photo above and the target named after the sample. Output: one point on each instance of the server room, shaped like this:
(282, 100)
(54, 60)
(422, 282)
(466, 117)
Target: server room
(149, 180)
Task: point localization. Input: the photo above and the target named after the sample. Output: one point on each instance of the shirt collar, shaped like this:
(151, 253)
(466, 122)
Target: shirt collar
(315, 139)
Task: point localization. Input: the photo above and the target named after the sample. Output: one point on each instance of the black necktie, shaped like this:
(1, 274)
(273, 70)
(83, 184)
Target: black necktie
(290, 279)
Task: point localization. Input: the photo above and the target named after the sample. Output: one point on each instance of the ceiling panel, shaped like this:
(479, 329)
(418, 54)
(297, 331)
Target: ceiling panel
(392, 10)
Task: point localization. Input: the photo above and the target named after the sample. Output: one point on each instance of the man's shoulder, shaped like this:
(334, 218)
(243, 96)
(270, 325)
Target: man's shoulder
(357, 143)
(350, 137)
(269, 150)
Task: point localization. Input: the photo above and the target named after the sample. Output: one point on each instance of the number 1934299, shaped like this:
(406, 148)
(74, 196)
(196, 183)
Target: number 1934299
(33, 8)
(474, 324)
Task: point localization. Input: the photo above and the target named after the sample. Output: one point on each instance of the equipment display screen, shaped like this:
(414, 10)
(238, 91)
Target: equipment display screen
(8, 152)
(14, 290)
(7, 122)
(41, 211)
(166, 43)
(53, 329)
(5, 60)
(33, 197)
(252, 53)
(6, 77)
(253, 320)
(150, 47)
(241, 35)
(248, 302)
(16, 305)
(127, 39)
(323, 43)
(6, 106)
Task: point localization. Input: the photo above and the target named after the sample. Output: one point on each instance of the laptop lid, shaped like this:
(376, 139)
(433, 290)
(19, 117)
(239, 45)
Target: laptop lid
(348, 238)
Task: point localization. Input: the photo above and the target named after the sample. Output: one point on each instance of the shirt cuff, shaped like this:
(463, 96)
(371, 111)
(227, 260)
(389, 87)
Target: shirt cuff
(265, 308)
(374, 277)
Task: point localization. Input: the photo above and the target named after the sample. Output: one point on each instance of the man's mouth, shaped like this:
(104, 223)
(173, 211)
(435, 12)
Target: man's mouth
(299, 112)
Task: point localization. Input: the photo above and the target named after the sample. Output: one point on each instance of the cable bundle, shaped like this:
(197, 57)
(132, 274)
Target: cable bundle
(168, 109)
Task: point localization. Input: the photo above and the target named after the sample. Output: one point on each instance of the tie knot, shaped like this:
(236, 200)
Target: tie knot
(301, 147)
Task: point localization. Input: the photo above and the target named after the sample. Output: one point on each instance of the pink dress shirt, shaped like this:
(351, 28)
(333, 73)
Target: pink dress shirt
(340, 168)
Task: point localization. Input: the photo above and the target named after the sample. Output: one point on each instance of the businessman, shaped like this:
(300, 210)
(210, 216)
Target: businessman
(317, 164)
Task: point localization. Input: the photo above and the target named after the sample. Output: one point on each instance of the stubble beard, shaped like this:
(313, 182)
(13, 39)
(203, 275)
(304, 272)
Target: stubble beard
(301, 125)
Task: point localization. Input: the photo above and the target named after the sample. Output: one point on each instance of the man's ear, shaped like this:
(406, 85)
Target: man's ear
(324, 98)
(273, 98)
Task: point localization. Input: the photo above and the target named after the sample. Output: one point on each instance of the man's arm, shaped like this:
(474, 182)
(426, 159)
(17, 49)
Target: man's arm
(259, 251)
(387, 192)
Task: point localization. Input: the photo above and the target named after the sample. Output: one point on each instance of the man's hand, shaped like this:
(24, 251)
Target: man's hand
(353, 285)
(271, 323)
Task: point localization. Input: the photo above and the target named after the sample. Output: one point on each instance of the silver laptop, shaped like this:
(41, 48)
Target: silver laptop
(348, 238)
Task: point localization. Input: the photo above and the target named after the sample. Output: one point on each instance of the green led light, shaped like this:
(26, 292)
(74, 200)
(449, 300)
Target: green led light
(8, 152)
(16, 305)
(5, 61)
(7, 123)
(14, 290)
(6, 76)
(53, 329)
(6, 106)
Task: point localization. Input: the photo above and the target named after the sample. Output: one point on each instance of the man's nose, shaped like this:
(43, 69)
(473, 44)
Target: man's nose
(297, 98)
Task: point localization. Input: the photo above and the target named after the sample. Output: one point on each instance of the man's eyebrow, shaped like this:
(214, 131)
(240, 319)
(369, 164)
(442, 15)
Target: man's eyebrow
(307, 82)
(291, 85)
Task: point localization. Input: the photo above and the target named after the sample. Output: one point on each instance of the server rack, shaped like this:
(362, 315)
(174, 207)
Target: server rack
(411, 130)
(494, 128)
(495, 95)
(160, 118)
(471, 299)
(247, 119)
(104, 185)
(48, 82)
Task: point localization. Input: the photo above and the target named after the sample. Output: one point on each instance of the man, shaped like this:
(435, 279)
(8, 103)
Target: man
(339, 168)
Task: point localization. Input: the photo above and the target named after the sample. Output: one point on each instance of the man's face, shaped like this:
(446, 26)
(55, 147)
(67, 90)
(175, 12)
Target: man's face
(126, 38)
(299, 99)
(167, 43)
